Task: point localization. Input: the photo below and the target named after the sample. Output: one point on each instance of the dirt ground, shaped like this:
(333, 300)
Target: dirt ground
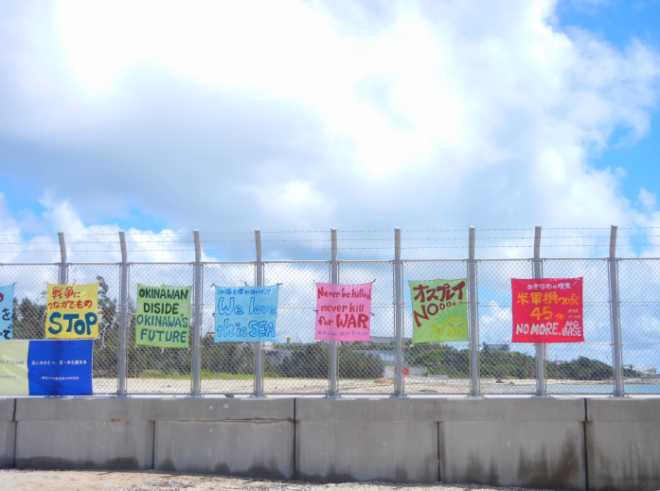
(30, 480)
(414, 385)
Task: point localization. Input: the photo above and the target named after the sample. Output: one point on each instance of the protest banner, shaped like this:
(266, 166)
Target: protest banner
(343, 312)
(72, 311)
(162, 316)
(46, 368)
(6, 312)
(439, 309)
(245, 313)
(547, 311)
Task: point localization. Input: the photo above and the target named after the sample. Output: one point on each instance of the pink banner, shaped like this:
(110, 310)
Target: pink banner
(343, 312)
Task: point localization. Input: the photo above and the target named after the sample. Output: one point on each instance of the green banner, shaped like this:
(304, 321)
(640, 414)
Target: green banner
(439, 310)
(162, 317)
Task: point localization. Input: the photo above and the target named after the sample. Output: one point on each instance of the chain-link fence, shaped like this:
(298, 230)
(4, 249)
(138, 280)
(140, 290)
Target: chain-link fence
(296, 364)
(505, 367)
(639, 281)
(442, 368)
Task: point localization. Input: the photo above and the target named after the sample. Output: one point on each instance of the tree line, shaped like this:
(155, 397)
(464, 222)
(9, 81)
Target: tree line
(309, 361)
(293, 360)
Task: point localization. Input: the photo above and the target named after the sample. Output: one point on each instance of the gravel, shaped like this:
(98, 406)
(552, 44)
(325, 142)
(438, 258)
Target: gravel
(160, 481)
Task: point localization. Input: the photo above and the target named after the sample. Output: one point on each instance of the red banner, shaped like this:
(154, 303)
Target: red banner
(547, 311)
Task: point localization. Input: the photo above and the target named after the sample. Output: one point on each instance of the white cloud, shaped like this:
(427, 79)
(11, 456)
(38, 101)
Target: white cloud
(242, 115)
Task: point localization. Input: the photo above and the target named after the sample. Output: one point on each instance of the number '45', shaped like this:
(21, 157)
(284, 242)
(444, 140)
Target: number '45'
(547, 313)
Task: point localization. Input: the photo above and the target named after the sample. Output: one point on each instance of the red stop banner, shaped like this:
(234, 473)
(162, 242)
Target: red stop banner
(547, 311)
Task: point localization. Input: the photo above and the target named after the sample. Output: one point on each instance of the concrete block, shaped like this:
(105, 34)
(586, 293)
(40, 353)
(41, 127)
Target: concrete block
(152, 409)
(7, 439)
(623, 410)
(338, 451)
(81, 409)
(440, 409)
(535, 454)
(623, 455)
(126, 445)
(7, 409)
(220, 409)
(262, 449)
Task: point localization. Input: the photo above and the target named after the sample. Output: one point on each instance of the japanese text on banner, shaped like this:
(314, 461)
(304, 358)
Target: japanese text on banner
(6, 312)
(245, 313)
(343, 312)
(162, 316)
(14, 368)
(72, 311)
(547, 311)
(46, 368)
(439, 309)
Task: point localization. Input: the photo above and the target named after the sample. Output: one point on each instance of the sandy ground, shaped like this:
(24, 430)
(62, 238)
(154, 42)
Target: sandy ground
(29, 480)
(414, 385)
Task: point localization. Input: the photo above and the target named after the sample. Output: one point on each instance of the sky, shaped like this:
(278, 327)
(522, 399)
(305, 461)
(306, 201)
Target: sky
(159, 117)
(307, 115)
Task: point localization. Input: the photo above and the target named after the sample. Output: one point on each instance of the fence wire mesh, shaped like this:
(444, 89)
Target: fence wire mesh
(576, 367)
(29, 296)
(368, 368)
(106, 346)
(442, 368)
(225, 367)
(152, 370)
(296, 364)
(504, 367)
(639, 282)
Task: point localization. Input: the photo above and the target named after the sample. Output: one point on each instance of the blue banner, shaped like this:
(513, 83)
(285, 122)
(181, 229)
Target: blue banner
(246, 313)
(46, 368)
(6, 311)
(57, 368)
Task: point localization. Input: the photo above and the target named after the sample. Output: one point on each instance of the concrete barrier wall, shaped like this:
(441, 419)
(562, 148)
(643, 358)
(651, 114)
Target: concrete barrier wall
(536, 443)
(239, 436)
(623, 444)
(7, 433)
(532, 443)
(599, 444)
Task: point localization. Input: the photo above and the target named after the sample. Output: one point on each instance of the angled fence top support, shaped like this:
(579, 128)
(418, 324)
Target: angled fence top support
(475, 389)
(537, 270)
(123, 316)
(399, 390)
(615, 312)
(63, 266)
(197, 323)
(334, 278)
(258, 346)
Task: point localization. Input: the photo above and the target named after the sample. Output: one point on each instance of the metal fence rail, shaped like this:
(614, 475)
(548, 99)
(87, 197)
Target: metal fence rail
(621, 312)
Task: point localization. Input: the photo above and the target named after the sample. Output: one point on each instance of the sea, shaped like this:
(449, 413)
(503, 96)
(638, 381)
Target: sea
(577, 389)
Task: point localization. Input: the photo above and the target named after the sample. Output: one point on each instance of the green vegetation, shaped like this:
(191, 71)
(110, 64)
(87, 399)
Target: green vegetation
(227, 361)
(236, 360)
(445, 360)
(312, 361)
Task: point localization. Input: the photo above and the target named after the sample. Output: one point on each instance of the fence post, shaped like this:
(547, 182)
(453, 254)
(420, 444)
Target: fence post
(123, 316)
(258, 353)
(615, 313)
(334, 278)
(64, 274)
(197, 320)
(537, 270)
(398, 314)
(475, 389)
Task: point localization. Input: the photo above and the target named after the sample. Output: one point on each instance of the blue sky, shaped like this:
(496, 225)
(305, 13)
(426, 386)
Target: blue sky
(619, 23)
(225, 116)
(163, 116)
